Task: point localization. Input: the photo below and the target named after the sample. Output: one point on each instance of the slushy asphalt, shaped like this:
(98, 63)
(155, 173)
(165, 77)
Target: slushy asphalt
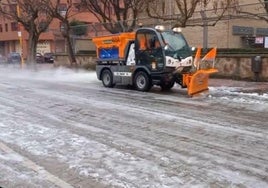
(241, 85)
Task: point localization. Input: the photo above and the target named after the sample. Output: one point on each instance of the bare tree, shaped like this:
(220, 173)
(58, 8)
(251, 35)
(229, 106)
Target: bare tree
(116, 15)
(64, 12)
(266, 5)
(257, 11)
(32, 15)
(186, 11)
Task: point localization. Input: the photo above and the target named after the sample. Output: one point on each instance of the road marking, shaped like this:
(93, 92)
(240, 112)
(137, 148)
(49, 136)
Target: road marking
(39, 169)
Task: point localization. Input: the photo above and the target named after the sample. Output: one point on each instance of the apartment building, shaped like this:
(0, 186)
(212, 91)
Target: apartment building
(49, 41)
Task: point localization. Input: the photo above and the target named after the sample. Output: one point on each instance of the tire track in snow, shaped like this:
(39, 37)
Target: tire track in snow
(43, 174)
(154, 134)
(155, 145)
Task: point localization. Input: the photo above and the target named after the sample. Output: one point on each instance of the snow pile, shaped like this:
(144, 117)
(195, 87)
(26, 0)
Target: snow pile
(48, 73)
(235, 97)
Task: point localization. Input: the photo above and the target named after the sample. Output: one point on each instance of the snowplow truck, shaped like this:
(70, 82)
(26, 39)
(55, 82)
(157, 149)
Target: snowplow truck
(147, 57)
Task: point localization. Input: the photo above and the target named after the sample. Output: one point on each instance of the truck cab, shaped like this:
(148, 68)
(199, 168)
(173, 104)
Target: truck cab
(166, 49)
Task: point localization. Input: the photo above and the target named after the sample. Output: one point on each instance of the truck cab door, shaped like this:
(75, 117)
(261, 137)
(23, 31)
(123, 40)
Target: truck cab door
(148, 50)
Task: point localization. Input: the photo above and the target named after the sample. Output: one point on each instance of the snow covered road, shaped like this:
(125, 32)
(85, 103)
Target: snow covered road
(62, 128)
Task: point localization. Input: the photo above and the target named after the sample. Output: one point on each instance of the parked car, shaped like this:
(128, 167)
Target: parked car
(49, 57)
(13, 58)
(39, 58)
(3, 59)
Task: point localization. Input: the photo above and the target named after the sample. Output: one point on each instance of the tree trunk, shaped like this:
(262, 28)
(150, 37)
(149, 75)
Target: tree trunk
(32, 45)
(70, 51)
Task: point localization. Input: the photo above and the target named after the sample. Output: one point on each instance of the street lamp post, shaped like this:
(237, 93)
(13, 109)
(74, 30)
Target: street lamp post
(205, 29)
(20, 36)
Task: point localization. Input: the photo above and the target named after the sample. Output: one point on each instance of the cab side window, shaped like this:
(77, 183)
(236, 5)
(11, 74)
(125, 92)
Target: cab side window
(147, 41)
(148, 48)
(142, 42)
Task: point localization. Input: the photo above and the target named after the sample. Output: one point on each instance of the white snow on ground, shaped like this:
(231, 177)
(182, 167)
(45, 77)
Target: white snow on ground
(61, 74)
(85, 156)
(229, 92)
(234, 97)
(92, 158)
(24, 172)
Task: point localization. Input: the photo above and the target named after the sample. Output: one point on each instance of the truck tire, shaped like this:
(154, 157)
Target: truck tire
(107, 78)
(179, 80)
(142, 81)
(167, 86)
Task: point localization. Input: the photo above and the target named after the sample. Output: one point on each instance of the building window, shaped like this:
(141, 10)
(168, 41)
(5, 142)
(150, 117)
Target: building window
(13, 8)
(109, 10)
(43, 26)
(61, 27)
(76, 7)
(1, 28)
(14, 26)
(62, 9)
(6, 27)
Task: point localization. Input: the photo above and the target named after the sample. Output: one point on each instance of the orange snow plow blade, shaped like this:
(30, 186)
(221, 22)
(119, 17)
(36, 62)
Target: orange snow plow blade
(197, 82)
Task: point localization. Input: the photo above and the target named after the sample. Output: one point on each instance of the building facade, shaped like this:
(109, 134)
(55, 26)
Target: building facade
(232, 31)
(14, 38)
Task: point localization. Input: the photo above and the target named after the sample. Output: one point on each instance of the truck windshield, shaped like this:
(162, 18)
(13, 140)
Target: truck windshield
(177, 46)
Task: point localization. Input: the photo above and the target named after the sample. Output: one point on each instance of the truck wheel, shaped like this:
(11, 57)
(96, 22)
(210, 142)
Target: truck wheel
(179, 80)
(142, 81)
(107, 78)
(167, 86)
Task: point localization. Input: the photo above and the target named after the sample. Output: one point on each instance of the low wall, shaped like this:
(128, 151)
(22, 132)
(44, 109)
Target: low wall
(83, 61)
(232, 67)
(240, 68)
